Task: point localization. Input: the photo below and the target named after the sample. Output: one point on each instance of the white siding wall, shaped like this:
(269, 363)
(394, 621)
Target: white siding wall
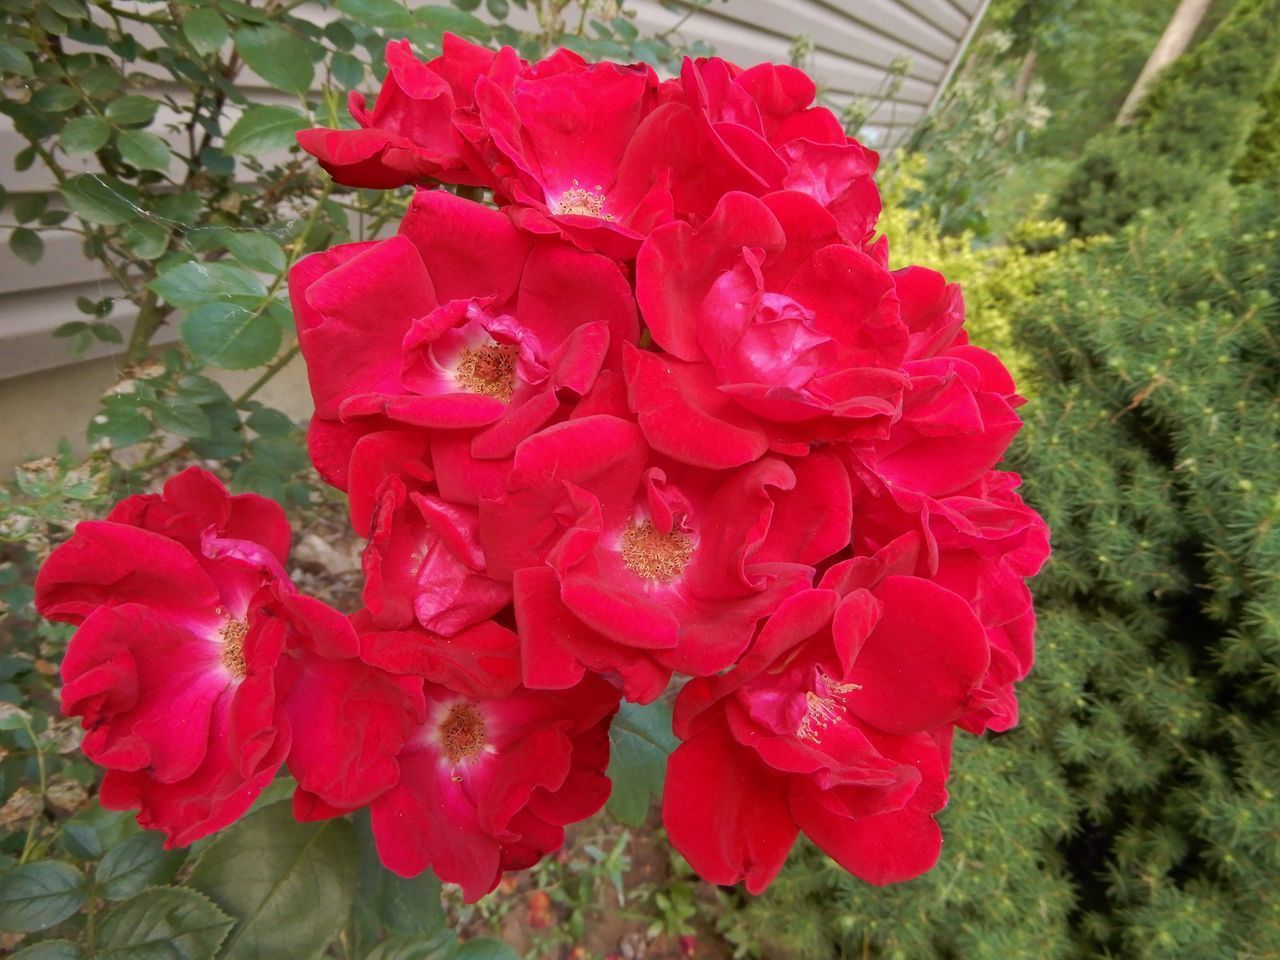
(854, 43)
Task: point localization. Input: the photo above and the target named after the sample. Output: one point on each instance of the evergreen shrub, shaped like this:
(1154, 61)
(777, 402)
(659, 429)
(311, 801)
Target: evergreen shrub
(1193, 125)
(1261, 159)
(1134, 813)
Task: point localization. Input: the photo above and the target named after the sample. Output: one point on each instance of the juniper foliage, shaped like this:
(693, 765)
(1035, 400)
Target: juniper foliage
(1136, 810)
(1261, 159)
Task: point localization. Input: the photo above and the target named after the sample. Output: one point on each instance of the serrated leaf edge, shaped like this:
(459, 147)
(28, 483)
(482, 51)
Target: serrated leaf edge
(227, 920)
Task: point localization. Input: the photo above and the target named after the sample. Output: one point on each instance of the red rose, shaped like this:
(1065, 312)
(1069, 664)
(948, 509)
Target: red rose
(835, 723)
(776, 334)
(981, 543)
(575, 153)
(491, 777)
(635, 569)
(958, 412)
(459, 323)
(423, 561)
(765, 127)
(412, 132)
(184, 610)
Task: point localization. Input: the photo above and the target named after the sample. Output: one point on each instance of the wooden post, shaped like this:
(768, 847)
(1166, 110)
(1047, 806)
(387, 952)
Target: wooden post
(1175, 39)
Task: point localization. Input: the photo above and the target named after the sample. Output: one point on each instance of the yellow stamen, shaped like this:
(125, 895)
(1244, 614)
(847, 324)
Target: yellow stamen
(488, 370)
(462, 734)
(581, 202)
(654, 555)
(233, 634)
(823, 710)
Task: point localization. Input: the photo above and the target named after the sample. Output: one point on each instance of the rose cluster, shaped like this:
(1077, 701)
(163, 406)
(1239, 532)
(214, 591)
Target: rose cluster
(660, 410)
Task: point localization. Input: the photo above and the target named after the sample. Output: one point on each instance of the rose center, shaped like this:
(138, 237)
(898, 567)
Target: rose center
(233, 634)
(488, 370)
(654, 555)
(824, 707)
(579, 201)
(462, 734)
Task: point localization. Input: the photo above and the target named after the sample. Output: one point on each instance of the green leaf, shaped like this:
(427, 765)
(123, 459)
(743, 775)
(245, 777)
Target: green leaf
(443, 19)
(144, 150)
(340, 35)
(267, 422)
(185, 208)
(272, 459)
(163, 922)
(146, 238)
(201, 390)
(139, 862)
(102, 80)
(55, 98)
(262, 129)
(280, 58)
(29, 206)
(106, 333)
(440, 947)
(257, 251)
(120, 421)
(13, 60)
(103, 200)
(224, 439)
(26, 245)
(196, 282)
(640, 742)
(181, 417)
(80, 840)
(232, 336)
(35, 896)
(50, 950)
(75, 9)
(347, 70)
(498, 9)
(206, 30)
(130, 110)
(289, 885)
(386, 14)
(409, 906)
(483, 948)
(84, 135)
(398, 905)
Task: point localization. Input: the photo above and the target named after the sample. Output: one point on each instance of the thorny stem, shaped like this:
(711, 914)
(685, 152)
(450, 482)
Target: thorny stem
(150, 462)
(675, 27)
(276, 366)
(29, 845)
(295, 250)
(90, 914)
(132, 15)
(44, 154)
(150, 317)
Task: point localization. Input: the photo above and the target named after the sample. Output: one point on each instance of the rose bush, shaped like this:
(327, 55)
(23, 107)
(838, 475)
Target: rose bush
(661, 409)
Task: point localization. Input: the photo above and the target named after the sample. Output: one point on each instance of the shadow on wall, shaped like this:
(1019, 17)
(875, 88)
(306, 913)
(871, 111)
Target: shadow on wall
(39, 408)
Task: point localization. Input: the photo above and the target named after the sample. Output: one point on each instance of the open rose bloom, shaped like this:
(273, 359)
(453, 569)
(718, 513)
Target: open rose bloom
(630, 404)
